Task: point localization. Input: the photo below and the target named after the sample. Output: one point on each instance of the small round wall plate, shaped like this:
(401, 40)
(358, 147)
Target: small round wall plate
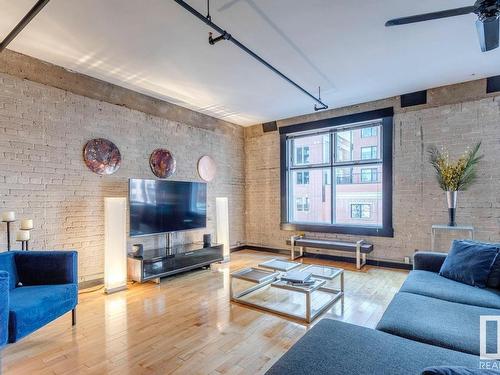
(102, 156)
(207, 168)
(162, 163)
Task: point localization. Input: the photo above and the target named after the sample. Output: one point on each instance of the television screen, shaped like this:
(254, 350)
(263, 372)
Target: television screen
(166, 206)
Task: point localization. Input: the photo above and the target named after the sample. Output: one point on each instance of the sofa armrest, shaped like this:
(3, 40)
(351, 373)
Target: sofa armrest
(428, 261)
(4, 307)
(47, 267)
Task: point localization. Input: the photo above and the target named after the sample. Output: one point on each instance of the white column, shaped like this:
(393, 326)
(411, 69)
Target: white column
(115, 244)
(222, 208)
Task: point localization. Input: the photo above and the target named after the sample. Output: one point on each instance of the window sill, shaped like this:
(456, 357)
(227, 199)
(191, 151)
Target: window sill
(341, 229)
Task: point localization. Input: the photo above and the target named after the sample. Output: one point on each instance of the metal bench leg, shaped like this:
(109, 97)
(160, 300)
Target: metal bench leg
(292, 250)
(360, 258)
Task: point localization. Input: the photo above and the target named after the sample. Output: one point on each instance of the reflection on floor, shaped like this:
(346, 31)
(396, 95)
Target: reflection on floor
(186, 325)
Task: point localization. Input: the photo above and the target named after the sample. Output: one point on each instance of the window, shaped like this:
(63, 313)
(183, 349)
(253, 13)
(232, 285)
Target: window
(336, 175)
(302, 178)
(302, 155)
(369, 132)
(344, 176)
(369, 175)
(361, 211)
(369, 152)
(302, 204)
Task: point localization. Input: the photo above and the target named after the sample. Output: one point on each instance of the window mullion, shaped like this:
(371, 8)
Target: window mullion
(333, 179)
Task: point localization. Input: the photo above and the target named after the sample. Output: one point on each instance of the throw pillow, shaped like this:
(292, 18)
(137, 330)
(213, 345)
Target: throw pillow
(469, 262)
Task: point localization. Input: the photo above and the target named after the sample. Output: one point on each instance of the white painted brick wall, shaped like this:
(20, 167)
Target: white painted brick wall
(43, 176)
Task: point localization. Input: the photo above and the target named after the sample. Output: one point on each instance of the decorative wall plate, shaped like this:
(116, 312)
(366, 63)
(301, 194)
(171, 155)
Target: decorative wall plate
(102, 156)
(207, 168)
(162, 163)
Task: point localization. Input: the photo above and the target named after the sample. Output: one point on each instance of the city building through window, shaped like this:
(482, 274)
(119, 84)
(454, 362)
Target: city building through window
(342, 172)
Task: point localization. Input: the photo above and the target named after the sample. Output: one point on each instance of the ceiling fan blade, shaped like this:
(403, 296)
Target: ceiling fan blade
(430, 16)
(488, 31)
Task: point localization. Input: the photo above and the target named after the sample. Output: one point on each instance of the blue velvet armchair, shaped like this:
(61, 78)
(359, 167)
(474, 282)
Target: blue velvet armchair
(36, 287)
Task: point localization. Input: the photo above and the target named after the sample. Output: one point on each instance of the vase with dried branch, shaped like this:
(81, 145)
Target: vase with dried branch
(454, 175)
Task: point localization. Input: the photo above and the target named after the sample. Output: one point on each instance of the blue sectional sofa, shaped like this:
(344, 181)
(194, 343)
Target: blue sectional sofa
(432, 321)
(36, 287)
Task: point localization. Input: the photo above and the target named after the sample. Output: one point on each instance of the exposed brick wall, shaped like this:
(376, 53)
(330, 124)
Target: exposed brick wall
(456, 116)
(42, 174)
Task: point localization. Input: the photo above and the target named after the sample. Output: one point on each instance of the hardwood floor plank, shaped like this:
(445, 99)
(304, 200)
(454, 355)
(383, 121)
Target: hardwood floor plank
(186, 325)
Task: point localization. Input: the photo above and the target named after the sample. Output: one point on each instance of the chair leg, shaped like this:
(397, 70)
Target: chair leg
(73, 317)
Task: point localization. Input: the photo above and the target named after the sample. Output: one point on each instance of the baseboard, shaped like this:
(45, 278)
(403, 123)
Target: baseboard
(337, 258)
(371, 262)
(238, 248)
(267, 249)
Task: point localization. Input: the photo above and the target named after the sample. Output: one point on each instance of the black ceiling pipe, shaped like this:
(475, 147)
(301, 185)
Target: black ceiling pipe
(40, 4)
(208, 21)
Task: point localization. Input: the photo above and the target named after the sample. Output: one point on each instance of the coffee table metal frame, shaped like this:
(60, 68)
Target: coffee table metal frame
(273, 280)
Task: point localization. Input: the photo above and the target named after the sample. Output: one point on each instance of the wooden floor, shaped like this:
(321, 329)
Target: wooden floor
(185, 325)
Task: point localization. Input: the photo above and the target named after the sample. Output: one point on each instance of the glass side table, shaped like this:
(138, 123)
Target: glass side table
(441, 227)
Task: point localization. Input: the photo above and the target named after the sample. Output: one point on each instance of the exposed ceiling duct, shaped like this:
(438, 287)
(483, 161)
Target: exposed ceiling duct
(224, 35)
(40, 4)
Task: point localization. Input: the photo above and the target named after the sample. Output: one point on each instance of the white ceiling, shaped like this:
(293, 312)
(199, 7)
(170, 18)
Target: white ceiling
(157, 48)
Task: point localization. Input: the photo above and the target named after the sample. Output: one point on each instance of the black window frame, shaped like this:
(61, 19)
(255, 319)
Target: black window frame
(386, 116)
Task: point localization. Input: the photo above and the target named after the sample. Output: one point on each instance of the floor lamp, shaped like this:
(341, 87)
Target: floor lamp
(115, 244)
(222, 211)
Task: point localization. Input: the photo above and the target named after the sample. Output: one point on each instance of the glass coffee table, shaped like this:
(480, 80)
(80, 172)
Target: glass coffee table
(263, 289)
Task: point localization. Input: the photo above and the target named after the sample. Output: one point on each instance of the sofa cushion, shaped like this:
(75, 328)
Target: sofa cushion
(31, 307)
(4, 308)
(432, 285)
(436, 322)
(8, 265)
(334, 347)
(469, 262)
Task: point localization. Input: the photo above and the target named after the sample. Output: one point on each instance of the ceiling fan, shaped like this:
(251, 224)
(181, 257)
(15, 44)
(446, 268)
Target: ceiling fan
(487, 11)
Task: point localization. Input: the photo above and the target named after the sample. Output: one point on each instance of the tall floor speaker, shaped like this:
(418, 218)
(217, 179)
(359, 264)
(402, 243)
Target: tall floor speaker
(222, 208)
(115, 244)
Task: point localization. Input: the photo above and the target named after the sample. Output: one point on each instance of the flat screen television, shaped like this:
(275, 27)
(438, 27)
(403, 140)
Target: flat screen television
(157, 206)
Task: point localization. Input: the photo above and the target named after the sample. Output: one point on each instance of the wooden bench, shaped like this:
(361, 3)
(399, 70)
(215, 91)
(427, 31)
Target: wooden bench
(361, 248)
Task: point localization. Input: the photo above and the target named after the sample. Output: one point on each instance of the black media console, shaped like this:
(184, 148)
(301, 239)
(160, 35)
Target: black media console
(165, 262)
